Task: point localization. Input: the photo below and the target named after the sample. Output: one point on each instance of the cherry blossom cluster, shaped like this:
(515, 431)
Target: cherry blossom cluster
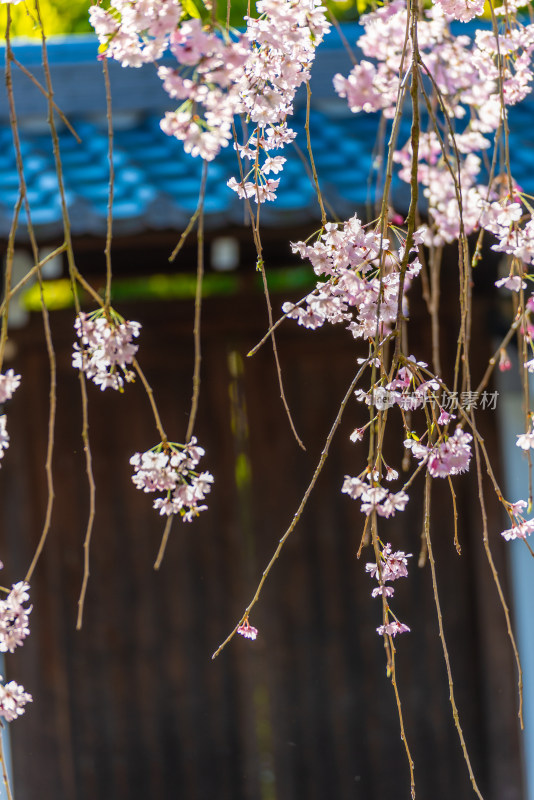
(256, 74)
(135, 33)
(373, 497)
(521, 528)
(371, 87)
(14, 628)
(513, 228)
(205, 79)
(9, 382)
(210, 69)
(391, 567)
(510, 221)
(283, 41)
(218, 75)
(363, 276)
(171, 469)
(13, 698)
(392, 628)
(404, 391)
(262, 188)
(14, 619)
(105, 348)
(468, 75)
(450, 456)
(462, 10)
(282, 48)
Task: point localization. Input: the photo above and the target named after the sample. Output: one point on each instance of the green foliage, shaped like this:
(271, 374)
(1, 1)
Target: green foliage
(343, 10)
(71, 16)
(349, 10)
(58, 16)
(58, 293)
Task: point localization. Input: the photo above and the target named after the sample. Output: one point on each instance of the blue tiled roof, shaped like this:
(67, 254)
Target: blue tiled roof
(157, 184)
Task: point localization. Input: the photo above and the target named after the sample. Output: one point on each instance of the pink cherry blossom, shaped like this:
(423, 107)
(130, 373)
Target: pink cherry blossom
(519, 531)
(14, 622)
(346, 254)
(393, 628)
(4, 435)
(517, 507)
(526, 440)
(512, 282)
(354, 487)
(13, 698)
(243, 189)
(357, 435)
(384, 591)
(248, 631)
(394, 565)
(360, 89)
(171, 469)
(392, 503)
(105, 348)
(8, 383)
(282, 44)
(273, 164)
(449, 457)
(462, 10)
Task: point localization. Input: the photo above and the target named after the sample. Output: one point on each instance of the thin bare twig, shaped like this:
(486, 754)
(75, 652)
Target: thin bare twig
(164, 540)
(83, 386)
(111, 184)
(310, 155)
(92, 508)
(198, 306)
(46, 320)
(260, 266)
(3, 763)
(485, 538)
(29, 275)
(454, 708)
(41, 88)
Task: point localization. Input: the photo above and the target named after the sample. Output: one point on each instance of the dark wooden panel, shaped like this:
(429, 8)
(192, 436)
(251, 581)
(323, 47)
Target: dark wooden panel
(132, 706)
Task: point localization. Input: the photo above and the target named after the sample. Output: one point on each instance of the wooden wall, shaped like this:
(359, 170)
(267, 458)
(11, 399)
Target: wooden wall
(132, 707)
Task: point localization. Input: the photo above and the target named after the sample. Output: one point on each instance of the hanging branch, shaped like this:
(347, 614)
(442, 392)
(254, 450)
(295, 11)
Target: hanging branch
(310, 156)
(260, 266)
(454, 708)
(198, 305)
(23, 197)
(43, 91)
(107, 301)
(164, 540)
(485, 538)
